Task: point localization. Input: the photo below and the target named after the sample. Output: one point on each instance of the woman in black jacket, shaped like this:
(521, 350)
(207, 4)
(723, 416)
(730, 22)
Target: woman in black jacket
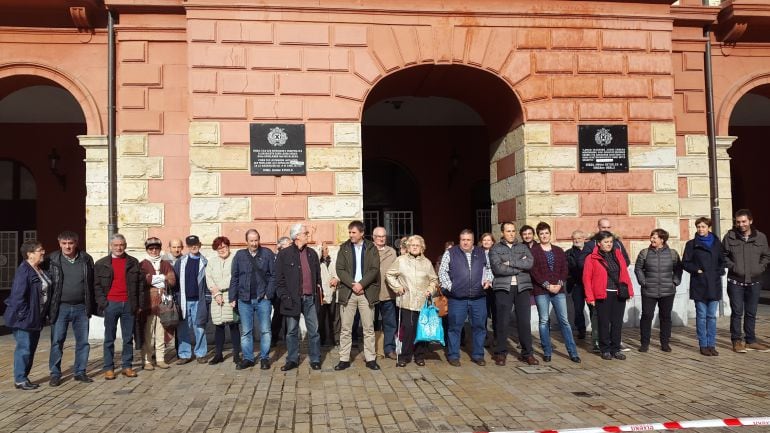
(658, 270)
(704, 261)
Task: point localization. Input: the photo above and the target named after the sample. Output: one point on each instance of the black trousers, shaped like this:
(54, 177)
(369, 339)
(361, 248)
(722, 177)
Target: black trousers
(278, 324)
(503, 303)
(326, 324)
(408, 332)
(610, 312)
(219, 338)
(491, 313)
(665, 305)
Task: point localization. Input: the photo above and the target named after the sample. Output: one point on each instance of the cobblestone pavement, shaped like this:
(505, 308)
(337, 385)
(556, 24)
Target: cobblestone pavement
(647, 387)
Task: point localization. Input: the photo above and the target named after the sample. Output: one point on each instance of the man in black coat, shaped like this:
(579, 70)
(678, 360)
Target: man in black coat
(298, 285)
(119, 297)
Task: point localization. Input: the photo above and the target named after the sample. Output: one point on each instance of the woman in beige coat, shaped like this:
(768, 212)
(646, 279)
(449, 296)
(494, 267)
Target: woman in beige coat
(222, 314)
(413, 279)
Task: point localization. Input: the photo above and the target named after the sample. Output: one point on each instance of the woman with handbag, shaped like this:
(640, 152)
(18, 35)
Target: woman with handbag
(658, 270)
(25, 311)
(413, 279)
(158, 275)
(608, 287)
(223, 315)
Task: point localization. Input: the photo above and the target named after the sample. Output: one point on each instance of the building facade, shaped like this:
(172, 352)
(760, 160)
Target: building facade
(426, 117)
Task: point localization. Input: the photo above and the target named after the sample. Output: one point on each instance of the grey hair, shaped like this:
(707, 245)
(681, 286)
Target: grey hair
(282, 240)
(295, 230)
(119, 237)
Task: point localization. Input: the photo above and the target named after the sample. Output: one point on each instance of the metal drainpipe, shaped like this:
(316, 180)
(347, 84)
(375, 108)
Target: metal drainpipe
(112, 205)
(715, 213)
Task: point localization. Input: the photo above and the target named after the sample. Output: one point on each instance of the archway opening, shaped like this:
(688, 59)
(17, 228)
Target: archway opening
(436, 126)
(42, 166)
(750, 122)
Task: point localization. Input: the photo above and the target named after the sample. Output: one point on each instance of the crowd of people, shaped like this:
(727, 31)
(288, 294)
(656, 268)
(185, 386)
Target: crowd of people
(369, 285)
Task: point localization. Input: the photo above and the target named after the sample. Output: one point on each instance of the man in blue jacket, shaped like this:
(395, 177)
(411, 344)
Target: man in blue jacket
(253, 287)
(464, 274)
(191, 271)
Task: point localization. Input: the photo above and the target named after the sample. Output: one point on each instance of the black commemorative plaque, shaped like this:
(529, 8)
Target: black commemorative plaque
(603, 148)
(277, 149)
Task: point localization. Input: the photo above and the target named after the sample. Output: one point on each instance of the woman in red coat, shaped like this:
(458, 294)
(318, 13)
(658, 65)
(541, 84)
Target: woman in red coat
(604, 276)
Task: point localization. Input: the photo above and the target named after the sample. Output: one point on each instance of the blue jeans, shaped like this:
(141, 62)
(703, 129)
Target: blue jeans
(559, 302)
(26, 345)
(459, 311)
(292, 332)
(706, 323)
(77, 315)
(118, 311)
(191, 334)
(261, 309)
(388, 311)
(743, 302)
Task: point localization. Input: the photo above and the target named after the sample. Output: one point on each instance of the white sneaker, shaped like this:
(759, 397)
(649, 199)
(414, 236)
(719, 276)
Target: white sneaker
(624, 348)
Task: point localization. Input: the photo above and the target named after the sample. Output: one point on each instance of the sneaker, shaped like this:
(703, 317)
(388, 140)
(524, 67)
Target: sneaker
(757, 346)
(739, 347)
(624, 348)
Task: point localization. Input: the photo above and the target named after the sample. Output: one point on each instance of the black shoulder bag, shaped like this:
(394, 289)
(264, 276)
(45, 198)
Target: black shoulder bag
(622, 287)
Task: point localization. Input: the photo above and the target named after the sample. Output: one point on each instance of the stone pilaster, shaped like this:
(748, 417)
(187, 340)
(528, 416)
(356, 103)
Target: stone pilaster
(725, 182)
(96, 193)
(345, 160)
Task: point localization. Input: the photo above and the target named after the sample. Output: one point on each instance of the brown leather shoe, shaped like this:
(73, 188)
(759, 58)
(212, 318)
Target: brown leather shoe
(530, 360)
(129, 372)
(480, 362)
(499, 359)
(454, 362)
(109, 375)
(391, 355)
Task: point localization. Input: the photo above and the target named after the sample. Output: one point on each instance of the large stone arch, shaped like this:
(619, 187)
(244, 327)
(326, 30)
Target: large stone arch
(734, 95)
(71, 84)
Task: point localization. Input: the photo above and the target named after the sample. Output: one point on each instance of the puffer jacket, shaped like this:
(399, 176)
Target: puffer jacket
(746, 260)
(53, 266)
(410, 277)
(595, 275)
(520, 261)
(659, 271)
(218, 280)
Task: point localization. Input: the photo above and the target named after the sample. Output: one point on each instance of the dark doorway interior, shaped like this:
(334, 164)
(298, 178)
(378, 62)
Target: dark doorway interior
(750, 122)
(428, 133)
(42, 168)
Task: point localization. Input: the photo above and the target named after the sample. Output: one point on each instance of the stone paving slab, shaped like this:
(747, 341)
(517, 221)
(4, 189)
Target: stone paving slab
(647, 387)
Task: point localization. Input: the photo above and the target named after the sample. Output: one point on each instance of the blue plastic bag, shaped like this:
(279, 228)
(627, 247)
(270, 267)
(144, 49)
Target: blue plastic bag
(429, 327)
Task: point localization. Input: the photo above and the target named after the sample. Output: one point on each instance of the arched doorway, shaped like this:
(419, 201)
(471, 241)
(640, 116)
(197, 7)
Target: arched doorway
(41, 164)
(750, 123)
(440, 124)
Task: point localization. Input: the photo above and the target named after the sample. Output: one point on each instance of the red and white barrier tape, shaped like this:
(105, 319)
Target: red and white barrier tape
(670, 425)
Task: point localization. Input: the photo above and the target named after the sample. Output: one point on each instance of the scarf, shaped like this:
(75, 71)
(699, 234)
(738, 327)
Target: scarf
(707, 240)
(154, 261)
